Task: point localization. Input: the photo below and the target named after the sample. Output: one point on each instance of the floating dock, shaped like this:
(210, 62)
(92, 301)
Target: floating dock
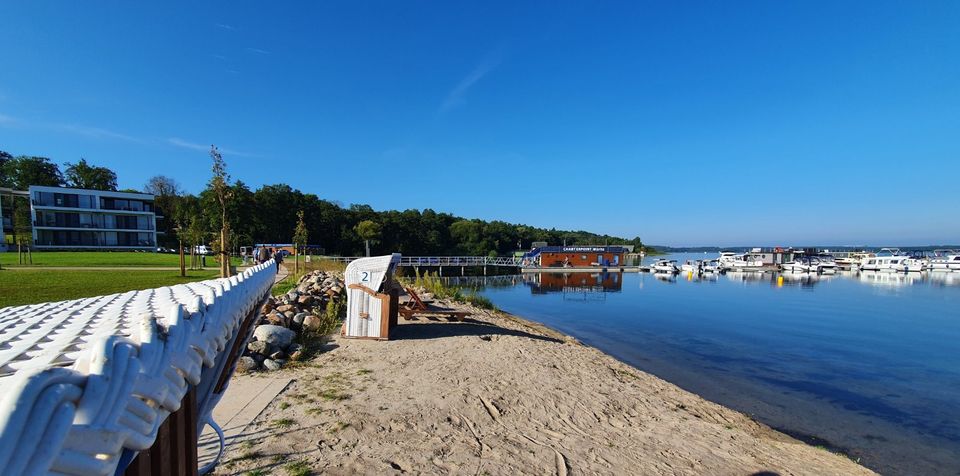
(586, 269)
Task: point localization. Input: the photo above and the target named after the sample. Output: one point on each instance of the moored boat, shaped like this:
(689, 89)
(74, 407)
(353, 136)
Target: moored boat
(915, 263)
(944, 260)
(665, 266)
(888, 259)
(799, 265)
(710, 266)
(690, 266)
(740, 262)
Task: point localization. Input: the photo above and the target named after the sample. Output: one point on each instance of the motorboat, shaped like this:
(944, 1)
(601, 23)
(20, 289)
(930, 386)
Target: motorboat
(888, 259)
(915, 263)
(710, 266)
(665, 266)
(810, 264)
(691, 266)
(944, 260)
(726, 258)
(847, 259)
(826, 264)
(799, 265)
(738, 261)
(911, 265)
(857, 258)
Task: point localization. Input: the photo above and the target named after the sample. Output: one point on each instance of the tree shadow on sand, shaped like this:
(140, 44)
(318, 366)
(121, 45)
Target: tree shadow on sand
(428, 328)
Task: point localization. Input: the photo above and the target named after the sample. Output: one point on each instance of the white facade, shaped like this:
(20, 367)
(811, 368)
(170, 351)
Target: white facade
(72, 218)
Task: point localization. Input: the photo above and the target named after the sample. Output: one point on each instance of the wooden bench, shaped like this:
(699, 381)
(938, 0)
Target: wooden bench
(417, 307)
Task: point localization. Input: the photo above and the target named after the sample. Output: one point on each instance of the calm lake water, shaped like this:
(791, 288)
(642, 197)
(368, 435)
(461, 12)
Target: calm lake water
(867, 364)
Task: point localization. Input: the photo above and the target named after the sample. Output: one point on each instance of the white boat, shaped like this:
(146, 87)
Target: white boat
(888, 259)
(915, 263)
(799, 265)
(690, 266)
(710, 266)
(726, 258)
(738, 261)
(944, 260)
(825, 264)
(857, 258)
(665, 266)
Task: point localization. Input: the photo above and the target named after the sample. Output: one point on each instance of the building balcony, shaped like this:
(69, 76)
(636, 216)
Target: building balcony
(106, 211)
(90, 228)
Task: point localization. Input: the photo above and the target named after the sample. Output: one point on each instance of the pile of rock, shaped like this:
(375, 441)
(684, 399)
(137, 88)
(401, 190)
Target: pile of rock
(282, 318)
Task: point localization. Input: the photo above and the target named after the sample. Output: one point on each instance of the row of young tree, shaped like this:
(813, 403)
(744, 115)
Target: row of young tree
(271, 213)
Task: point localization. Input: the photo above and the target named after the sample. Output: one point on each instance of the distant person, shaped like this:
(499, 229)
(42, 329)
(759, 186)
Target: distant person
(279, 259)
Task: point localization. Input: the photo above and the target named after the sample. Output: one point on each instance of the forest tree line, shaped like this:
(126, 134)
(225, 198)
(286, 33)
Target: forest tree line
(268, 214)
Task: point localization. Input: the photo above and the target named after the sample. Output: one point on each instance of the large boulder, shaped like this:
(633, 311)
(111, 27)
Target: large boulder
(312, 322)
(276, 335)
(261, 347)
(270, 364)
(246, 364)
(275, 319)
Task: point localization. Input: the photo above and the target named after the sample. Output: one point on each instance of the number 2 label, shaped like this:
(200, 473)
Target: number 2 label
(366, 277)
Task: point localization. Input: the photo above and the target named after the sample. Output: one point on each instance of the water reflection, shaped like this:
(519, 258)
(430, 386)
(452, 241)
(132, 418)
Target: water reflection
(866, 361)
(575, 286)
(586, 283)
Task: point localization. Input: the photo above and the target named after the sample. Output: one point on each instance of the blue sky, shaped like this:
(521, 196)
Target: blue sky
(684, 123)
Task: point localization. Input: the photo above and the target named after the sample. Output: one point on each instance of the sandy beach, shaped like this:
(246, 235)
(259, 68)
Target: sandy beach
(499, 395)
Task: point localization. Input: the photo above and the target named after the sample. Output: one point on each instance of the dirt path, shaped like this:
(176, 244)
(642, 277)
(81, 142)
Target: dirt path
(496, 396)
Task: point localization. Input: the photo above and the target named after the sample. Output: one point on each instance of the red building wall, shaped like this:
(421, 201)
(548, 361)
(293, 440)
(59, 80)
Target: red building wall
(584, 259)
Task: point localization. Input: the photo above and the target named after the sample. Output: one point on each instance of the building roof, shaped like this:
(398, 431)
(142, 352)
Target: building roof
(581, 249)
(109, 193)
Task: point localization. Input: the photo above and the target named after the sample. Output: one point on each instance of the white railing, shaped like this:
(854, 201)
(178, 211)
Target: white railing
(425, 261)
(86, 379)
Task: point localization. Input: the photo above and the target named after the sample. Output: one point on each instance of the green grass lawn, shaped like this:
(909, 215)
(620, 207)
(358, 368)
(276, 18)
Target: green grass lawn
(103, 258)
(18, 287)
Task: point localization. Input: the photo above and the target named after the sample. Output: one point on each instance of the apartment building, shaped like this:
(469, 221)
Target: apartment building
(71, 218)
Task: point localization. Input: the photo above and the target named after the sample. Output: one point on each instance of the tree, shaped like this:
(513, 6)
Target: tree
(84, 175)
(5, 158)
(220, 183)
(22, 172)
(190, 225)
(299, 240)
(367, 230)
(162, 186)
(166, 195)
(22, 226)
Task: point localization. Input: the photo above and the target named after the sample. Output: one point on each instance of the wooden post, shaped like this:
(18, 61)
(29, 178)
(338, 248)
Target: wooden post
(183, 264)
(174, 452)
